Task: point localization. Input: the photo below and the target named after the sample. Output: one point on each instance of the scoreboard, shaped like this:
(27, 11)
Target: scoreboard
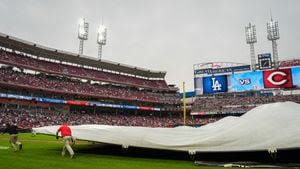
(248, 81)
(264, 61)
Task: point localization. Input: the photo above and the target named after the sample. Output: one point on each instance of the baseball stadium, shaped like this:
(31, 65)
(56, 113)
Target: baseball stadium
(124, 116)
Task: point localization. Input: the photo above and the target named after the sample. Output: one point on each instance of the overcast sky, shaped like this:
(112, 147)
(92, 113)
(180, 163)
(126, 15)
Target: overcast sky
(162, 35)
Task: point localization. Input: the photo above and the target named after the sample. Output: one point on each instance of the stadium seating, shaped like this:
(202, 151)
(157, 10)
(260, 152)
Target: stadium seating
(72, 86)
(32, 118)
(24, 61)
(237, 104)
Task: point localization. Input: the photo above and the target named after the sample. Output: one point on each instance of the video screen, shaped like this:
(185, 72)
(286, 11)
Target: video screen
(246, 81)
(296, 76)
(215, 84)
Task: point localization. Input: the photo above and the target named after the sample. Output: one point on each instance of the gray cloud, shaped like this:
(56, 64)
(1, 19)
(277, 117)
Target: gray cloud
(169, 35)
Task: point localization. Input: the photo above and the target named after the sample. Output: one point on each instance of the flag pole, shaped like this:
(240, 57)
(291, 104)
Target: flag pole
(184, 104)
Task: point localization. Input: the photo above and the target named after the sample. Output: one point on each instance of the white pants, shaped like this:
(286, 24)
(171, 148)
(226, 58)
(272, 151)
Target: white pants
(67, 141)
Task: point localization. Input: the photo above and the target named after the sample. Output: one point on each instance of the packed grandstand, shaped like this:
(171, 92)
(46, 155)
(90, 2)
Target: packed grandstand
(40, 85)
(36, 81)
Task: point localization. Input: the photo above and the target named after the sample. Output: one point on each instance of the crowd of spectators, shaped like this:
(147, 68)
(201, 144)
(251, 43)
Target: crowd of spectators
(24, 61)
(30, 118)
(76, 86)
(237, 104)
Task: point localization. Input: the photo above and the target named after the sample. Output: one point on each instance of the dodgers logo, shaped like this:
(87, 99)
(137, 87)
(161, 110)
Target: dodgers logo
(215, 84)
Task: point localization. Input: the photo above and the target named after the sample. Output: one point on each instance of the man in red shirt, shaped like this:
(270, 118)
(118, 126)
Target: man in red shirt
(66, 135)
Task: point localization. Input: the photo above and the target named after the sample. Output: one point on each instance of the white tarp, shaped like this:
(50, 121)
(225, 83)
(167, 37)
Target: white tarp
(270, 126)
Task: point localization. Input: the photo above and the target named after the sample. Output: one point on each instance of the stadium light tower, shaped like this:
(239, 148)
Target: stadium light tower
(250, 31)
(101, 39)
(83, 31)
(273, 35)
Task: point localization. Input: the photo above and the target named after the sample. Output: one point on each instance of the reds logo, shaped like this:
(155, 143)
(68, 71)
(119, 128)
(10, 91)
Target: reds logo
(278, 78)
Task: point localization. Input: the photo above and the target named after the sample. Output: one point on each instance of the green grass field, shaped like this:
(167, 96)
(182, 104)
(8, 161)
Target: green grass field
(44, 152)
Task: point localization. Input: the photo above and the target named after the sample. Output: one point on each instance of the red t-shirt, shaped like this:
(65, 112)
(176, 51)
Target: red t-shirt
(64, 130)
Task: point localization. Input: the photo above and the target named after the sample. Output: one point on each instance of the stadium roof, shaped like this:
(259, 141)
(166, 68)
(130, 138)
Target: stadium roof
(46, 52)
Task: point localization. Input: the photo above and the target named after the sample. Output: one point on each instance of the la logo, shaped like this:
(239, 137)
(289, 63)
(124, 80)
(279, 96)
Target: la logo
(216, 86)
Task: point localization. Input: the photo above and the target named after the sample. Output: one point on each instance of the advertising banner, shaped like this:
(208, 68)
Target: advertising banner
(47, 100)
(79, 103)
(222, 70)
(130, 107)
(145, 108)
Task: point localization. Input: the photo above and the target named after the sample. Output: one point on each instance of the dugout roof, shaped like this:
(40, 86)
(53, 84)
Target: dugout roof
(21, 45)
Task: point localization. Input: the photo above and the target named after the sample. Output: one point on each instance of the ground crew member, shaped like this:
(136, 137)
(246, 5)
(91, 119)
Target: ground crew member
(12, 130)
(66, 135)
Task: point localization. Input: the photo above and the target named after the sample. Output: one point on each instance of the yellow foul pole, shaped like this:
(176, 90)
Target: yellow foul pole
(184, 103)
